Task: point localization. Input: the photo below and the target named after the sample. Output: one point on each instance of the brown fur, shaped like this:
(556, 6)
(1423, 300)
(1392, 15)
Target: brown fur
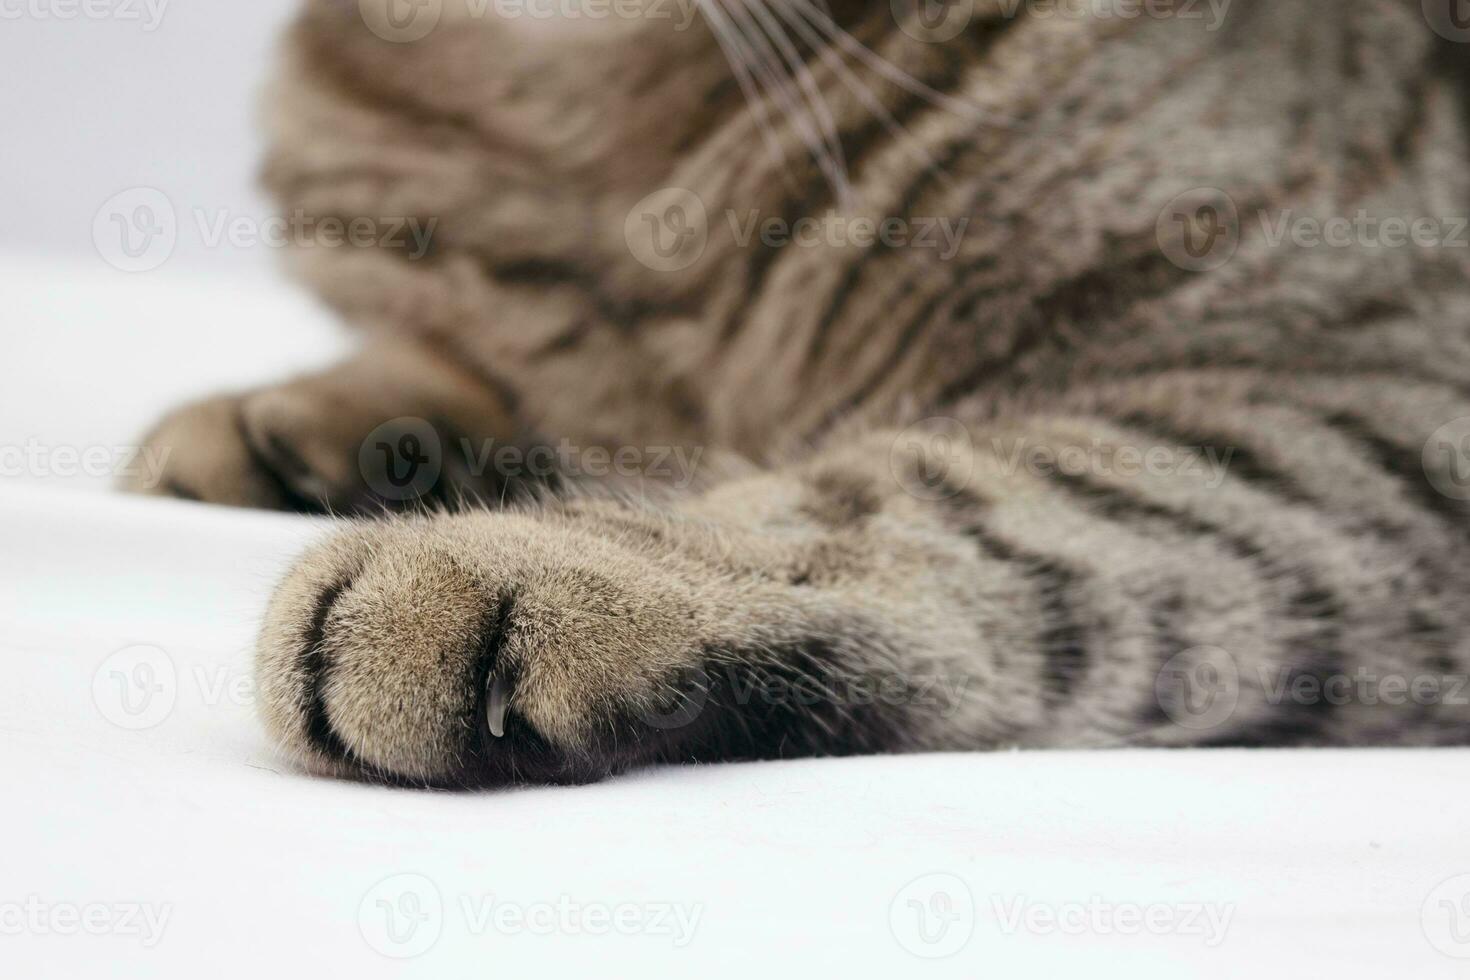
(1064, 318)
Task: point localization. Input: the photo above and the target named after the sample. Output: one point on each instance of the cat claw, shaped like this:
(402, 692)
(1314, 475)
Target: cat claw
(497, 705)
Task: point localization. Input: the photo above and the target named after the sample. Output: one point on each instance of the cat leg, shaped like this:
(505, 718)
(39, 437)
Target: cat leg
(395, 424)
(1193, 559)
(815, 610)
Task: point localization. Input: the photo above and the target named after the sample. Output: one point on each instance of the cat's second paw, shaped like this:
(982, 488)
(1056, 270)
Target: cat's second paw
(383, 430)
(256, 450)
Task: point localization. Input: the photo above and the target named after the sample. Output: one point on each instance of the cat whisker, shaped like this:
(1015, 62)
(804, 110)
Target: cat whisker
(721, 28)
(835, 165)
(871, 102)
(778, 85)
(825, 24)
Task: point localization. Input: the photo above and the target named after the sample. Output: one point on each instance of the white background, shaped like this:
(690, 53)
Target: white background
(93, 106)
(1340, 864)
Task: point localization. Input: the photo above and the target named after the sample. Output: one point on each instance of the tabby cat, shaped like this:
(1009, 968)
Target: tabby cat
(1081, 374)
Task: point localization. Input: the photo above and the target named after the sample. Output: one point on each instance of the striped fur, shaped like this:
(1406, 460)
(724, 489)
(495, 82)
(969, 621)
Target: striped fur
(930, 575)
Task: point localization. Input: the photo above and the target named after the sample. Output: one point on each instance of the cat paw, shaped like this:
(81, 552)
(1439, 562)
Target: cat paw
(483, 648)
(221, 451)
(384, 430)
(289, 448)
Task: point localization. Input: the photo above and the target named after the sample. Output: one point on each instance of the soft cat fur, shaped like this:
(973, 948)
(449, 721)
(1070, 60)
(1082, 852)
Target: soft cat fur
(902, 572)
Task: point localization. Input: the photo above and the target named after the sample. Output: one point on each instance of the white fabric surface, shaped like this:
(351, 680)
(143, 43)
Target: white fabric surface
(1315, 863)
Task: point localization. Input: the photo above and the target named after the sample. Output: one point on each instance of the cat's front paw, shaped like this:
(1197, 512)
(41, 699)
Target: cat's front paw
(217, 451)
(388, 429)
(483, 648)
(292, 447)
(275, 450)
